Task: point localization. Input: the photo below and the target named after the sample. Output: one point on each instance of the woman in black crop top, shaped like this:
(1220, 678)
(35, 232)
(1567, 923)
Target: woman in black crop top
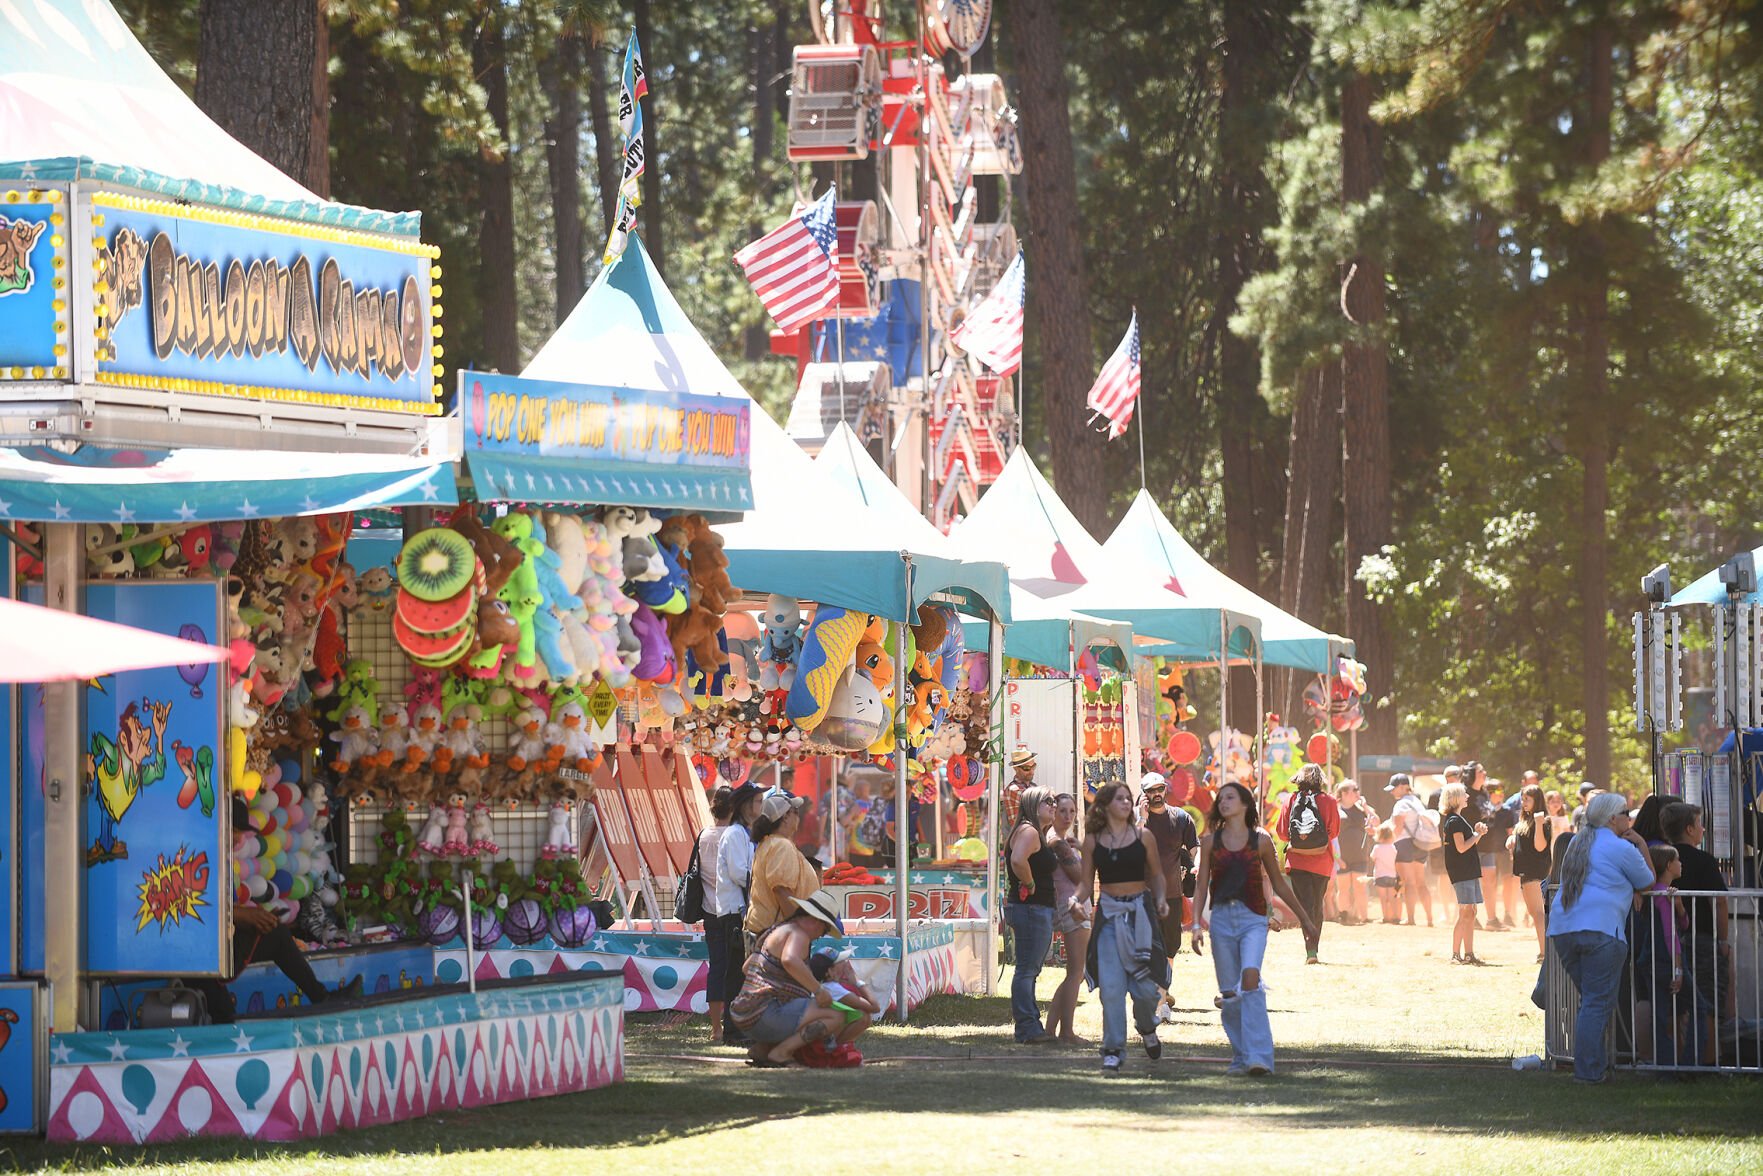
(1126, 946)
(1028, 908)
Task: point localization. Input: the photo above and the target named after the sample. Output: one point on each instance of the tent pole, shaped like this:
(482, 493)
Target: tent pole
(1077, 723)
(994, 794)
(1223, 694)
(1260, 728)
(902, 803)
(64, 721)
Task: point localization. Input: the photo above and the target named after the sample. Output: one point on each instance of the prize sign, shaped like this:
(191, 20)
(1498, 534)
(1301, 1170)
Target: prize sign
(202, 300)
(33, 284)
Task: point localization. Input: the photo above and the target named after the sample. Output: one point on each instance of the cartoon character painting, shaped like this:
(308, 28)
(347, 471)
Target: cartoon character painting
(120, 769)
(197, 766)
(17, 238)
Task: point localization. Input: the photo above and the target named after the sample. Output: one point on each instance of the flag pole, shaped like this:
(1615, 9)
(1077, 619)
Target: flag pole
(1139, 414)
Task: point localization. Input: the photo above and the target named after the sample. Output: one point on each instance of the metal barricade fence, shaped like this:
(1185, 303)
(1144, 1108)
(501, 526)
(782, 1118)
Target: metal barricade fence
(1690, 993)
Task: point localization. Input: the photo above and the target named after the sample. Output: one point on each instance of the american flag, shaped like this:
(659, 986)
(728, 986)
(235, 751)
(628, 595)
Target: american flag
(794, 268)
(1117, 388)
(992, 334)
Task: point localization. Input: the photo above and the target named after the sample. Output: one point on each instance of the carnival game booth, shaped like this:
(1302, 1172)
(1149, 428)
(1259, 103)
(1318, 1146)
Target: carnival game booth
(880, 674)
(205, 372)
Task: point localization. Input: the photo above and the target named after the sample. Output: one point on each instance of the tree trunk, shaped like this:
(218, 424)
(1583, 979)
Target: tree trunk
(1250, 495)
(1366, 398)
(652, 218)
(563, 153)
(261, 74)
(1590, 378)
(1312, 481)
(495, 239)
(763, 40)
(607, 156)
(1058, 315)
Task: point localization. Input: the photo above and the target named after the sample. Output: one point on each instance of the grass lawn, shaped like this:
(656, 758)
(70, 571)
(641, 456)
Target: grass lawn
(1391, 1060)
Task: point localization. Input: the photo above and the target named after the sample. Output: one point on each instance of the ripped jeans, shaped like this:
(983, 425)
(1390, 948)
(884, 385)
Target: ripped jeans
(1239, 940)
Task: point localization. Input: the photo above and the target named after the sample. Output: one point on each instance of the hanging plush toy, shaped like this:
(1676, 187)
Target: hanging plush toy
(779, 643)
(560, 832)
(432, 840)
(828, 648)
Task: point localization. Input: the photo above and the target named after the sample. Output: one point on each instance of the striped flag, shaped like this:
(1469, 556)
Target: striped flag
(794, 268)
(992, 334)
(634, 85)
(1117, 388)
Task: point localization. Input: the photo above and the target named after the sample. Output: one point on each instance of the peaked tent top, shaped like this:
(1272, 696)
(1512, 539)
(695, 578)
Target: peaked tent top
(81, 99)
(1146, 536)
(811, 537)
(844, 459)
(629, 332)
(1020, 522)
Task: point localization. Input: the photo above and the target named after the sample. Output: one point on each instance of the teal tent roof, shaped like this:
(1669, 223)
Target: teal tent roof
(626, 334)
(1709, 590)
(81, 99)
(1045, 633)
(1146, 536)
(1021, 522)
(99, 485)
(813, 536)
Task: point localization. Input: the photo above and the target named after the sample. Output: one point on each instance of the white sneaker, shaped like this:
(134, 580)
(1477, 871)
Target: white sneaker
(1110, 1065)
(1153, 1047)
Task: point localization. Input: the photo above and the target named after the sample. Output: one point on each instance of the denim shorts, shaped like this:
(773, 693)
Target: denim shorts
(1386, 883)
(779, 1020)
(1468, 893)
(1487, 860)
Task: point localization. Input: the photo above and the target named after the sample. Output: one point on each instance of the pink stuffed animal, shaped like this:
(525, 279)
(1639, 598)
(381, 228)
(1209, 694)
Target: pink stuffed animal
(457, 841)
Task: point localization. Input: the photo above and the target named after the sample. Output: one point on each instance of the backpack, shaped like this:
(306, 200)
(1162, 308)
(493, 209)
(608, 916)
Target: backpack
(1426, 831)
(1308, 829)
(688, 897)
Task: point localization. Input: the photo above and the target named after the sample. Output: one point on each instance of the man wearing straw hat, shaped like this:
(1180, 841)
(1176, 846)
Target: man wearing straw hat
(1022, 763)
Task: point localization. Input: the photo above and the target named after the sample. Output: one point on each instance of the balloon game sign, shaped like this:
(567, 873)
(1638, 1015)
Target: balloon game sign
(202, 300)
(156, 827)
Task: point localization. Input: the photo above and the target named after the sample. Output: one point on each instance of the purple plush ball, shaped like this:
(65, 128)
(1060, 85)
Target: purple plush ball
(571, 929)
(486, 928)
(439, 925)
(525, 922)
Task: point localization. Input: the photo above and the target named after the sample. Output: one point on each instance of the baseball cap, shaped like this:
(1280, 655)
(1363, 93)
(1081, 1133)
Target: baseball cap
(778, 803)
(1399, 780)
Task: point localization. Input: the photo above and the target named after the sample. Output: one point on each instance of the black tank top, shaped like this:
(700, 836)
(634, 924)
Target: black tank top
(1041, 864)
(1529, 862)
(1120, 865)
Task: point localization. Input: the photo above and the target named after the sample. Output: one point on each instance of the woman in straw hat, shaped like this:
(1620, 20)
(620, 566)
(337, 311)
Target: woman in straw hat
(781, 1005)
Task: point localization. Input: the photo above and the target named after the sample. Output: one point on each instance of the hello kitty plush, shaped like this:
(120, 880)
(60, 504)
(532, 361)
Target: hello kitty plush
(560, 836)
(457, 842)
(432, 839)
(479, 833)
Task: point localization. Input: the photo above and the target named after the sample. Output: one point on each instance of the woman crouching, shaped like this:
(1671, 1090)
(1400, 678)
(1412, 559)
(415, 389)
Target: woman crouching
(781, 1005)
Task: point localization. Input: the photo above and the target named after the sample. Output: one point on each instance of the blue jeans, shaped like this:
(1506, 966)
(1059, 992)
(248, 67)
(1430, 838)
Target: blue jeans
(1032, 928)
(1115, 986)
(1595, 961)
(1239, 941)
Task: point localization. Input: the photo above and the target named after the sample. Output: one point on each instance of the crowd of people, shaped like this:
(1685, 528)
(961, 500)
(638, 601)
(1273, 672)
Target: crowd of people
(1124, 891)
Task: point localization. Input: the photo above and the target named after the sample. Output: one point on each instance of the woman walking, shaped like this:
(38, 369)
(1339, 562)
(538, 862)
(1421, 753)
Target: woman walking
(1601, 872)
(1126, 953)
(1530, 842)
(1462, 867)
(1028, 908)
(1237, 864)
(1071, 918)
(1411, 843)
